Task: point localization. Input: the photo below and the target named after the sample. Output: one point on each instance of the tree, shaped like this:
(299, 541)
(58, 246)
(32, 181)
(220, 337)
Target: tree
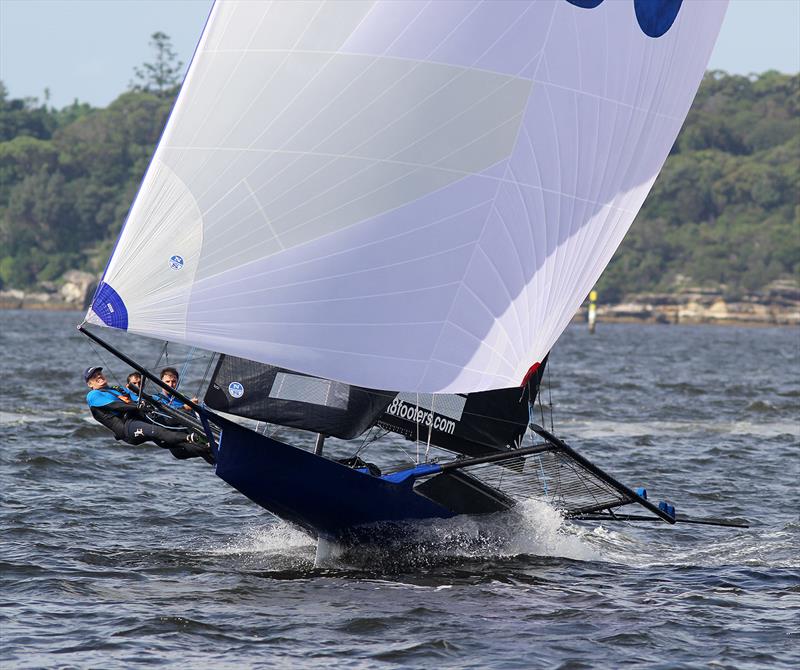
(24, 117)
(164, 73)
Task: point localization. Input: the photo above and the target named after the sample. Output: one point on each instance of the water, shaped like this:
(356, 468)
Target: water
(116, 556)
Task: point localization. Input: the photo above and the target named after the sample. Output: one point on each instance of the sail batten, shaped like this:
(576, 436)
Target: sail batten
(412, 196)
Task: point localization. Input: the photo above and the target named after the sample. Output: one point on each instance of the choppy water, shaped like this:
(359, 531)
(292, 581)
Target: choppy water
(116, 556)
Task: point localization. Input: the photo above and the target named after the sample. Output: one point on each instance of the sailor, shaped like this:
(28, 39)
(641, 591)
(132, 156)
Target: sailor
(133, 383)
(171, 377)
(114, 408)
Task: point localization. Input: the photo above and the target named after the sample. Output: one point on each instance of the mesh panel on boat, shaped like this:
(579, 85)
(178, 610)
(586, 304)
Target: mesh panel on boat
(552, 476)
(447, 404)
(278, 396)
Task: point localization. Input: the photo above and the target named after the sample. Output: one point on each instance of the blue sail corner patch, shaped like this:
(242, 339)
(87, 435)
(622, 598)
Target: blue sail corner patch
(108, 306)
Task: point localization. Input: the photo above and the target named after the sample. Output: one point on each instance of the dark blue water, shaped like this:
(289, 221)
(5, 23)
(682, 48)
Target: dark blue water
(116, 556)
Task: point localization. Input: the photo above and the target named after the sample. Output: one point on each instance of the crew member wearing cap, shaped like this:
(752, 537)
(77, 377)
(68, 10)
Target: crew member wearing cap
(113, 408)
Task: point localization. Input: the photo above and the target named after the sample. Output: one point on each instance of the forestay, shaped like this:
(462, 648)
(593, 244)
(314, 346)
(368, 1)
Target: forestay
(406, 195)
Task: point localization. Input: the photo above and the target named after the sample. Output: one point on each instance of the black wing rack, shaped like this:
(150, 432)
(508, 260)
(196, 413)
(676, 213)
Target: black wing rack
(555, 473)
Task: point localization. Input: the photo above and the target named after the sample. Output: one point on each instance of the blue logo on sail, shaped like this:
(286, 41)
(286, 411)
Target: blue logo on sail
(176, 262)
(236, 390)
(109, 308)
(655, 17)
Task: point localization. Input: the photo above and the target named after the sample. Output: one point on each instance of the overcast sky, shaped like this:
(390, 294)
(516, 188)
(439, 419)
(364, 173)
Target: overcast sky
(87, 49)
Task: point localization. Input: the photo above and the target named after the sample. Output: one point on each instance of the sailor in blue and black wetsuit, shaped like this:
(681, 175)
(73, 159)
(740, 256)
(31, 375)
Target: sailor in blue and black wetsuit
(170, 377)
(113, 407)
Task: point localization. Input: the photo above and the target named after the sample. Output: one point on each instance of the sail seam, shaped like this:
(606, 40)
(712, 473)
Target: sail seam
(447, 320)
(461, 70)
(465, 68)
(368, 244)
(358, 298)
(489, 177)
(263, 214)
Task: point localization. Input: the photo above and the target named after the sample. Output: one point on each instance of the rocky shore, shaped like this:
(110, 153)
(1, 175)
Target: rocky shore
(73, 291)
(777, 305)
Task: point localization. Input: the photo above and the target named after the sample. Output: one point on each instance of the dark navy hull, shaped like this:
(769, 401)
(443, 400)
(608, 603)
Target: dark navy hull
(326, 498)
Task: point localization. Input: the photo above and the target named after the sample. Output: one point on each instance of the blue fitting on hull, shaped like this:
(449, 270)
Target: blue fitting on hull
(412, 473)
(665, 507)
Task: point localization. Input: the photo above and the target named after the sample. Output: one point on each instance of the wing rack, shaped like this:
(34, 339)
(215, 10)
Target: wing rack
(554, 472)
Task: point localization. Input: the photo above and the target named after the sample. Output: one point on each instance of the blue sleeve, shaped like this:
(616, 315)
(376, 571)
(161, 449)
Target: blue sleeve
(100, 398)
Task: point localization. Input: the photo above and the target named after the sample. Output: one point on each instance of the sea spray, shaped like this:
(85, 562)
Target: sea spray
(531, 529)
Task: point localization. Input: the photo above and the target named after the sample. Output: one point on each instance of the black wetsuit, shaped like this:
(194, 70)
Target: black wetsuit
(129, 424)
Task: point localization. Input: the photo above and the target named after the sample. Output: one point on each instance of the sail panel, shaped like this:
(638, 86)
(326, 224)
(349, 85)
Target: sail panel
(474, 424)
(283, 397)
(403, 195)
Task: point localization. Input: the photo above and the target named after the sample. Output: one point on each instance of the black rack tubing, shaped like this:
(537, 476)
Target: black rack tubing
(591, 467)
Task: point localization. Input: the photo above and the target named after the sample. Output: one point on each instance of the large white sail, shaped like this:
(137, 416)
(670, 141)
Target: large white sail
(405, 195)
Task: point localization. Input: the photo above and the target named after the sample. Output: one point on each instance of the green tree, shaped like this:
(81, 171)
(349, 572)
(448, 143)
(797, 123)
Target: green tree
(22, 156)
(164, 73)
(24, 117)
(43, 213)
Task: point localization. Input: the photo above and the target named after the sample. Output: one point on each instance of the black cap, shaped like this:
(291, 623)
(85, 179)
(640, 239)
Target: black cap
(87, 375)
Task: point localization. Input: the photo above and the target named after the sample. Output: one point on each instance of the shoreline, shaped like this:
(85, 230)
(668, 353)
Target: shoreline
(777, 304)
(764, 316)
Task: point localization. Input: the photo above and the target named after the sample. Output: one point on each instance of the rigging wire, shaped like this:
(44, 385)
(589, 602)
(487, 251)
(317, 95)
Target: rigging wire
(541, 404)
(430, 427)
(161, 355)
(185, 366)
(416, 421)
(549, 400)
(372, 436)
(205, 375)
(103, 360)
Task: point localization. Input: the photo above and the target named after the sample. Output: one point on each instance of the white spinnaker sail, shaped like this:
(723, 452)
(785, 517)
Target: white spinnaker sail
(404, 195)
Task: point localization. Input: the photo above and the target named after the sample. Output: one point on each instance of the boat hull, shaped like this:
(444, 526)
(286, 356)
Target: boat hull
(326, 498)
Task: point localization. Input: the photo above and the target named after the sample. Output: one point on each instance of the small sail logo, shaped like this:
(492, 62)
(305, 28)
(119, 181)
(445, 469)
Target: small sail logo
(655, 17)
(176, 262)
(236, 390)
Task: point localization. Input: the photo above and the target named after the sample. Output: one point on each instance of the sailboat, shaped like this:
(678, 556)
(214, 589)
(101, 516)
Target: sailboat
(382, 215)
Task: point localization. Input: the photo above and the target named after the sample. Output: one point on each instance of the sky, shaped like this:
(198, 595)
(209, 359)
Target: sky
(87, 49)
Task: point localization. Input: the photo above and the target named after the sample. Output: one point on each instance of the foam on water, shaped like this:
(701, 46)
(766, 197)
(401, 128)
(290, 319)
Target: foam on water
(277, 538)
(656, 545)
(531, 529)
(13, 418)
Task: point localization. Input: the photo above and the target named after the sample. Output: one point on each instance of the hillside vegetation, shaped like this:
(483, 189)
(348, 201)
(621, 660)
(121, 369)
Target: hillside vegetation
(724, 211)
